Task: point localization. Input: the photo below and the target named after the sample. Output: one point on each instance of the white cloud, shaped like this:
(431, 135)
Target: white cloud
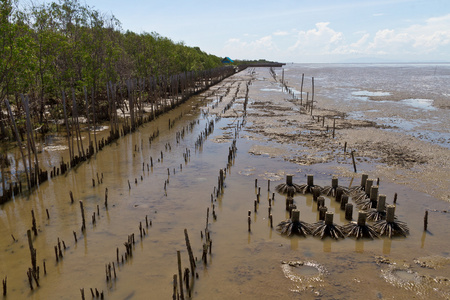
(429, 40)
(322, 38)
(417, 39)
(281, 33)
(263, 47)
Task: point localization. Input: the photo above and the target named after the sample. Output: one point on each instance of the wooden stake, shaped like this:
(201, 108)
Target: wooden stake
(353, 160)
(191, 255)
(349, 211)
(425, 221)
(83, 227)
(106, 198)
(180, 275)
(4, 285)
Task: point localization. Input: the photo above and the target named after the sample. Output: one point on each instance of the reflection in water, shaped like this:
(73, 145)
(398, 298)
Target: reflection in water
(387, 242)
(424, 235)
(327, 244)
(294, 243)
(359, 246)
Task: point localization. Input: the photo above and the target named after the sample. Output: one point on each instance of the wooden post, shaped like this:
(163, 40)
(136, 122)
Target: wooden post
(312, 96)
(353, 160)
(390, 215)
(344, 201)
(4, 286)
(329, 218)
(191, 255)
(32, 251)
(316, 193)
(373, 196)
(295, 216)
(334, 127)
(323, 210)
(180, 275)
(339, 194)
(381, 205)
(348, 211)
(425, 221)
(363, 180)
(301, 91)
(362, 217)
(83, 227)
(106, 198)
(175, 292)
(369, 184)
(289, 179)
(320, 202)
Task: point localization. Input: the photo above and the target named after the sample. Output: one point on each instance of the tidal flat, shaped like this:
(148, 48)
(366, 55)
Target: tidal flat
(256, 128)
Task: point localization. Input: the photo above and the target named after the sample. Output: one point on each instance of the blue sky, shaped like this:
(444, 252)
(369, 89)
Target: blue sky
(296, 31)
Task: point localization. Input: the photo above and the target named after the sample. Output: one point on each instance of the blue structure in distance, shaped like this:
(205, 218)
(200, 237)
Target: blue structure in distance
(227, 60)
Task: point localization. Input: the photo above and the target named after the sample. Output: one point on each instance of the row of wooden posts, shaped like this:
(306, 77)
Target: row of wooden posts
(33, 273)
(161, 94)
(189, 277)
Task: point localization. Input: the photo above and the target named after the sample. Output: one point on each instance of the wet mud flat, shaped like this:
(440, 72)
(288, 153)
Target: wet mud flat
(268, 137)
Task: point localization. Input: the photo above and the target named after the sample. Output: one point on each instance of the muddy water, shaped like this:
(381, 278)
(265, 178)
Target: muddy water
(242, 264)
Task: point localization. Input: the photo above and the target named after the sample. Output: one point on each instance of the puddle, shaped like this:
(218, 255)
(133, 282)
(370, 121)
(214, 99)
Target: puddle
(371, 94)
(426, 104)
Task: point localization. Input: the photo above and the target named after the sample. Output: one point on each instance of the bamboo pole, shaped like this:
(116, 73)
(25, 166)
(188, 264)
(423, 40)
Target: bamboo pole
(301, 90)
(180, 275)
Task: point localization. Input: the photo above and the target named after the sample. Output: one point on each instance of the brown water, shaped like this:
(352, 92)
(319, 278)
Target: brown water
(242, 265)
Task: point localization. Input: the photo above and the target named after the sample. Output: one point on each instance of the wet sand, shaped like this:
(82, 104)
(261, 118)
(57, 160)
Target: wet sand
(275, 140)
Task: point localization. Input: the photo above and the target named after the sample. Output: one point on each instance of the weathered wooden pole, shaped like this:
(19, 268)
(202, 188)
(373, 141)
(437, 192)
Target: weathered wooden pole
(83, 226)
(353, 160)
(301, 90)
(312, 96)
(32, 250)
(425, 221)
(180, 275)
(349, 211)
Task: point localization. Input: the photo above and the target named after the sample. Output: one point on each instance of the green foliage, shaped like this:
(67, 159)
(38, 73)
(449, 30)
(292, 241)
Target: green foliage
(66, 44)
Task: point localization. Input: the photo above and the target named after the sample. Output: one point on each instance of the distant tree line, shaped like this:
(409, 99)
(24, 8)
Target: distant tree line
(50, 47)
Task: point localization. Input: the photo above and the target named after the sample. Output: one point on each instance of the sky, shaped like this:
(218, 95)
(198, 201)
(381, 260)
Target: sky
(320, 31)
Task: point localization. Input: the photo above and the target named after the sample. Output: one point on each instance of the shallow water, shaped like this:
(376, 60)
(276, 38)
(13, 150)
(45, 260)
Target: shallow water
(409, 92)
(242, 264)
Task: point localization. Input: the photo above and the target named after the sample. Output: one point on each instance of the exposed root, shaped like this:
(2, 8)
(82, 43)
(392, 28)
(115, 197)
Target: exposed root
(360, 231)
(331, 191)
(374, 215)
(391, 229)
(332, 230)
(288, 227)
(305, 188)
(287, 189)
